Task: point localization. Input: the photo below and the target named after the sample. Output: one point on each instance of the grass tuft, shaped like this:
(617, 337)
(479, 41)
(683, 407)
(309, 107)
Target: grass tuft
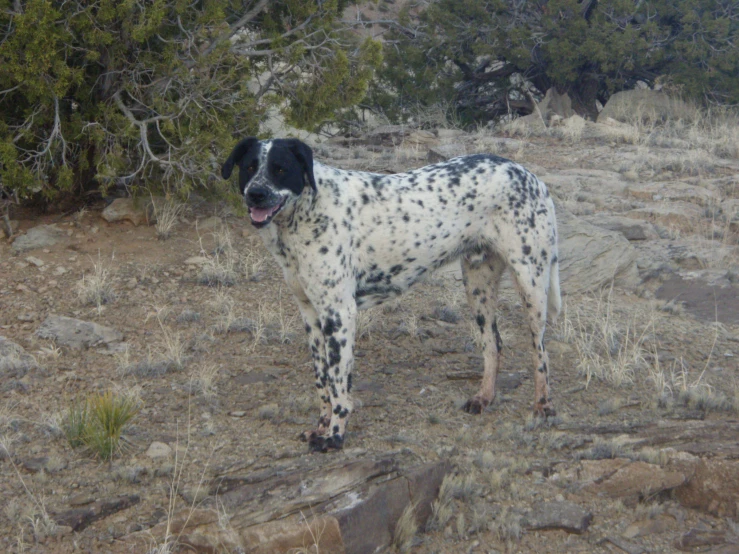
(95, 288)
(167, 215)
(406, 529)
(98, 422)
(76, 422)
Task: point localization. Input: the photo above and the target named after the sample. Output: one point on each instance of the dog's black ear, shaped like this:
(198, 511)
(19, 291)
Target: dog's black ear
(304, 155)
(238, 152)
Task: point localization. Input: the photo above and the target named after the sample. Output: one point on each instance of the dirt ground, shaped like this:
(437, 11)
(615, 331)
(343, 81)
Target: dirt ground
(224, 379)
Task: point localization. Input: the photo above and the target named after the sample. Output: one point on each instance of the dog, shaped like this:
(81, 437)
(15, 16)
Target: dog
(348, 240)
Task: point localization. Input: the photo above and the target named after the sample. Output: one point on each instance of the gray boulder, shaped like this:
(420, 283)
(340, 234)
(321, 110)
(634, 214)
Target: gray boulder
(591, 257)
(646, 104)
(77, 334)
(15, 362)
(38, 237)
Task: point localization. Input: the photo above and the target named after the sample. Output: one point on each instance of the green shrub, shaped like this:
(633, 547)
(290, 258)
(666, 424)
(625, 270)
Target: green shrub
(481, 58)
(98, 422)
(153, 93)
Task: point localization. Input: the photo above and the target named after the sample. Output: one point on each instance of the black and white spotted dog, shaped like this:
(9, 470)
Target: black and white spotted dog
(347, 240)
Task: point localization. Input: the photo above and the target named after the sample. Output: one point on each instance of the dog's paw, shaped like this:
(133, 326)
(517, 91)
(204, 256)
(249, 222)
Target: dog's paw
(544, 411)
(323, 423)
(319, 443)
(307, 436)
(475, 405)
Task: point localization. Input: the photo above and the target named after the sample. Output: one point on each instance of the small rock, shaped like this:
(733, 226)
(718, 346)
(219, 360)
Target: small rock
(701, 539)
(559, 515)
(196, 260)
(125, 209)
(646, 527)
(35, 261)
(237, 413)
(34, 465)
(15, 362)
(194, 495)
(38, 237)
(445, 152)
(60, 270)
(159, 450)
(81, 500)
(208, 223)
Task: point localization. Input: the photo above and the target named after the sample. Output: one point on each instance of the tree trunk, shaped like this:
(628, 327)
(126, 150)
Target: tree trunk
(584, 95)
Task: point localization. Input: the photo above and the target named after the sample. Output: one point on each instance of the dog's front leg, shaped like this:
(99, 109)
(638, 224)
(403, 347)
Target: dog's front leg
(338, 324)
(317, 346)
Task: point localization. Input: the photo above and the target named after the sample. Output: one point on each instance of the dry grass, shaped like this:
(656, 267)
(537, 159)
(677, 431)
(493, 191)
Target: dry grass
(96, 288)
(507, 525)
(167, 215)
(603, 449)
(203, 380)
(168, 353)
(225, 265)
(453, 487)
(405, 529)
(32, 514)
(678, 383)
(172, 347)
(409, 325)
(285, 318)
(368, 321)
(607, 349)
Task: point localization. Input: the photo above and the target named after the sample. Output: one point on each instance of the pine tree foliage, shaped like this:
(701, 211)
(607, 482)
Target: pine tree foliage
(486, 57)
(152, 92)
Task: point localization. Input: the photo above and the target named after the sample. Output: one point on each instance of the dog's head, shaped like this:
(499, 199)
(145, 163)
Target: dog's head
(272, 174)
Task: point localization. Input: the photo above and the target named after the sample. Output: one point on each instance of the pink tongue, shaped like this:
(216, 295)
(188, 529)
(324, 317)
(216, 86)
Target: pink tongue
(260, 214)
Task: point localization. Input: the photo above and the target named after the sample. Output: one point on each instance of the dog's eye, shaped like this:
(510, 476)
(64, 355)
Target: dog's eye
(252, 168)
(279, 171)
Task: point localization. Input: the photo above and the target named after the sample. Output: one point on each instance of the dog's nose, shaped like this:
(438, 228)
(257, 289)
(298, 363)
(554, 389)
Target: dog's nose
(257, 195)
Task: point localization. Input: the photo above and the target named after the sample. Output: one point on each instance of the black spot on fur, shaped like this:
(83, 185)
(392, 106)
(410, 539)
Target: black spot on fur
(480, 319)
(498, 340)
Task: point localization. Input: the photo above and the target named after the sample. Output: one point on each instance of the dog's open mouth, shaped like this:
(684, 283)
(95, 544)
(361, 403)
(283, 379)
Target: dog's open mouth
(261, 216)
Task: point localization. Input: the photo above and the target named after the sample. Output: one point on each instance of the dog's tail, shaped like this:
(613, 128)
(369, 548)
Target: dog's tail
(554, 300)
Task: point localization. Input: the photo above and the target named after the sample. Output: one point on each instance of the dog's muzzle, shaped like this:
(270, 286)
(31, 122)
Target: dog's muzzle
(263, 204)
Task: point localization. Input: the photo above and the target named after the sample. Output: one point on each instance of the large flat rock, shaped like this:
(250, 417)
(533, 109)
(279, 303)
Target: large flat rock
(591, 257)
(348, 506)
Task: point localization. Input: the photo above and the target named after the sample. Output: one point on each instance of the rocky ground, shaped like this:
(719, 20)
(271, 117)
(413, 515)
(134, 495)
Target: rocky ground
(198, 329)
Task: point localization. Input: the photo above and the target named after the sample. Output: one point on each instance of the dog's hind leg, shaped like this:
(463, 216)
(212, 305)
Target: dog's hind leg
(481, 281)
(317, 345)
(534, 289)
